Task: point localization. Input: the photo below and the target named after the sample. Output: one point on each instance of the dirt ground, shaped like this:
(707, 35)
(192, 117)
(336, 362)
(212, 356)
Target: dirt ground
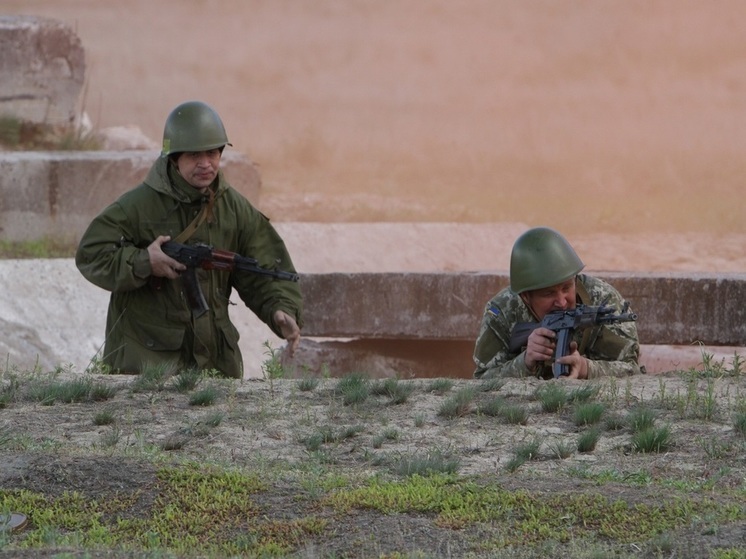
(266, 426)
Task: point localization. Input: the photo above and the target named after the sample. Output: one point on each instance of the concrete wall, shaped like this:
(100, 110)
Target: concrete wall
(42, 70)
(56, 194)
(425, 325)
(673, 308)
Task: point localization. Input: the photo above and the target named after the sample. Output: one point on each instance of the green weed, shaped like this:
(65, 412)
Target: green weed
(457, 405)
(588, 413)
(652, 439)
(588, 440)
(440, 385)
(204, 397)
(354, 388)
(552, 397)
(426, 464)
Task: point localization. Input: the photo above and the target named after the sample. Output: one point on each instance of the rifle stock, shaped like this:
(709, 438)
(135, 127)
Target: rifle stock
(519, 335)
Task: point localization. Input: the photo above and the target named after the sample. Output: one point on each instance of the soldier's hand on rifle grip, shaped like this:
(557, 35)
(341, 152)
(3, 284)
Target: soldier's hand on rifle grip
(539, 347)
(578, 363)
(162, 265)
(289, 329)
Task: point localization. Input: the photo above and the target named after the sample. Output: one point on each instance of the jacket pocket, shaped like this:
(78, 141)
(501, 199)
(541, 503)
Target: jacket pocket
(158, 337)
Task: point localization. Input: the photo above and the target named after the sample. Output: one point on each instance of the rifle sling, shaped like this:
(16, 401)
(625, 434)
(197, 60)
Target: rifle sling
(189, 231)
(197, 221)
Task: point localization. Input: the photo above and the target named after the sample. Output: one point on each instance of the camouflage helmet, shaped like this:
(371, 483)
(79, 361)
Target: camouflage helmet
(193, 126)
(541, 257)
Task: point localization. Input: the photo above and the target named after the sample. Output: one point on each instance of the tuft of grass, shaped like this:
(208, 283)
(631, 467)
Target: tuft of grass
(588, 440)
(327, 435)
(6, 436)
(354, 388)
(583, 394)
(588, 413)
(104, 417)
(515, 414)
(652, 439)
(100, 392)
(615, 422)
(457, 405)
(308, 384)
(522, 454)
(561, 449)
(153, 377)
(396, 391)
(440, 385)
(388, 435)
(552, 397)
(492, 407)
(96, 365)
(213, 419)
(641, 419)
(426, 464)
(205, 397)
(529, 450)
(187, 380)
(739, 423)
(175, 441)
(49, 391)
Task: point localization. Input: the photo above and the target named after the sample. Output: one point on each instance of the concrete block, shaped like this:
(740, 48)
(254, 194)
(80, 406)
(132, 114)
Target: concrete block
(57, 194)
(675, 309)
(444, 306)
(686, 308)
(42, 68)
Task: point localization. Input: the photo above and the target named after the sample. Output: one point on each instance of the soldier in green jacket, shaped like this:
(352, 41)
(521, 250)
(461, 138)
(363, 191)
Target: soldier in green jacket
(185, 197)
(544, 277)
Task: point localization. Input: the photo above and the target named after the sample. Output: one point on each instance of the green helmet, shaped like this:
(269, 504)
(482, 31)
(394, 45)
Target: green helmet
(193, 126)
(541, 257)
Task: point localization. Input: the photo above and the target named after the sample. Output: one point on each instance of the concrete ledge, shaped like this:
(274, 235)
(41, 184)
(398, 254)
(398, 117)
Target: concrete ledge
(383, 324)
(673, 309)
(57, 194)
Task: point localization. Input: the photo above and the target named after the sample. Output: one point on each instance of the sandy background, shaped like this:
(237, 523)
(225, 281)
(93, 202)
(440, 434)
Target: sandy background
(629, 116)
(621, 123)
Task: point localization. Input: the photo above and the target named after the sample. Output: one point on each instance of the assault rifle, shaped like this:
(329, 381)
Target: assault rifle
(206, 257)
(564, 323)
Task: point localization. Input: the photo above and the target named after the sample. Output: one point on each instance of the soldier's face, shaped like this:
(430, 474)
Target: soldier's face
(199, 168)
(560, 297)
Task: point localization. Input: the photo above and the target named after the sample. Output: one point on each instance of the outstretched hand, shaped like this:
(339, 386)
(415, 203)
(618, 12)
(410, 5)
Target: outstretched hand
(162, 265)
(289, 329)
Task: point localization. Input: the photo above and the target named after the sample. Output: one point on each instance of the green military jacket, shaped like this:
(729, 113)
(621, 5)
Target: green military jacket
(149, 321)
(611, 349)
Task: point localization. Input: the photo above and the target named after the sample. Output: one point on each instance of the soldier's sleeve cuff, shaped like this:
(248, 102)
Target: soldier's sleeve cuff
(141, 265)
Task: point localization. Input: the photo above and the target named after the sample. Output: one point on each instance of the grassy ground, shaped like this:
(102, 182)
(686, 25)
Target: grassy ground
(183, 464)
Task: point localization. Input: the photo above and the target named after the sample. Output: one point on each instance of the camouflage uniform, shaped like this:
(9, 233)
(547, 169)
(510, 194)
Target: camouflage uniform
(612, 350)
